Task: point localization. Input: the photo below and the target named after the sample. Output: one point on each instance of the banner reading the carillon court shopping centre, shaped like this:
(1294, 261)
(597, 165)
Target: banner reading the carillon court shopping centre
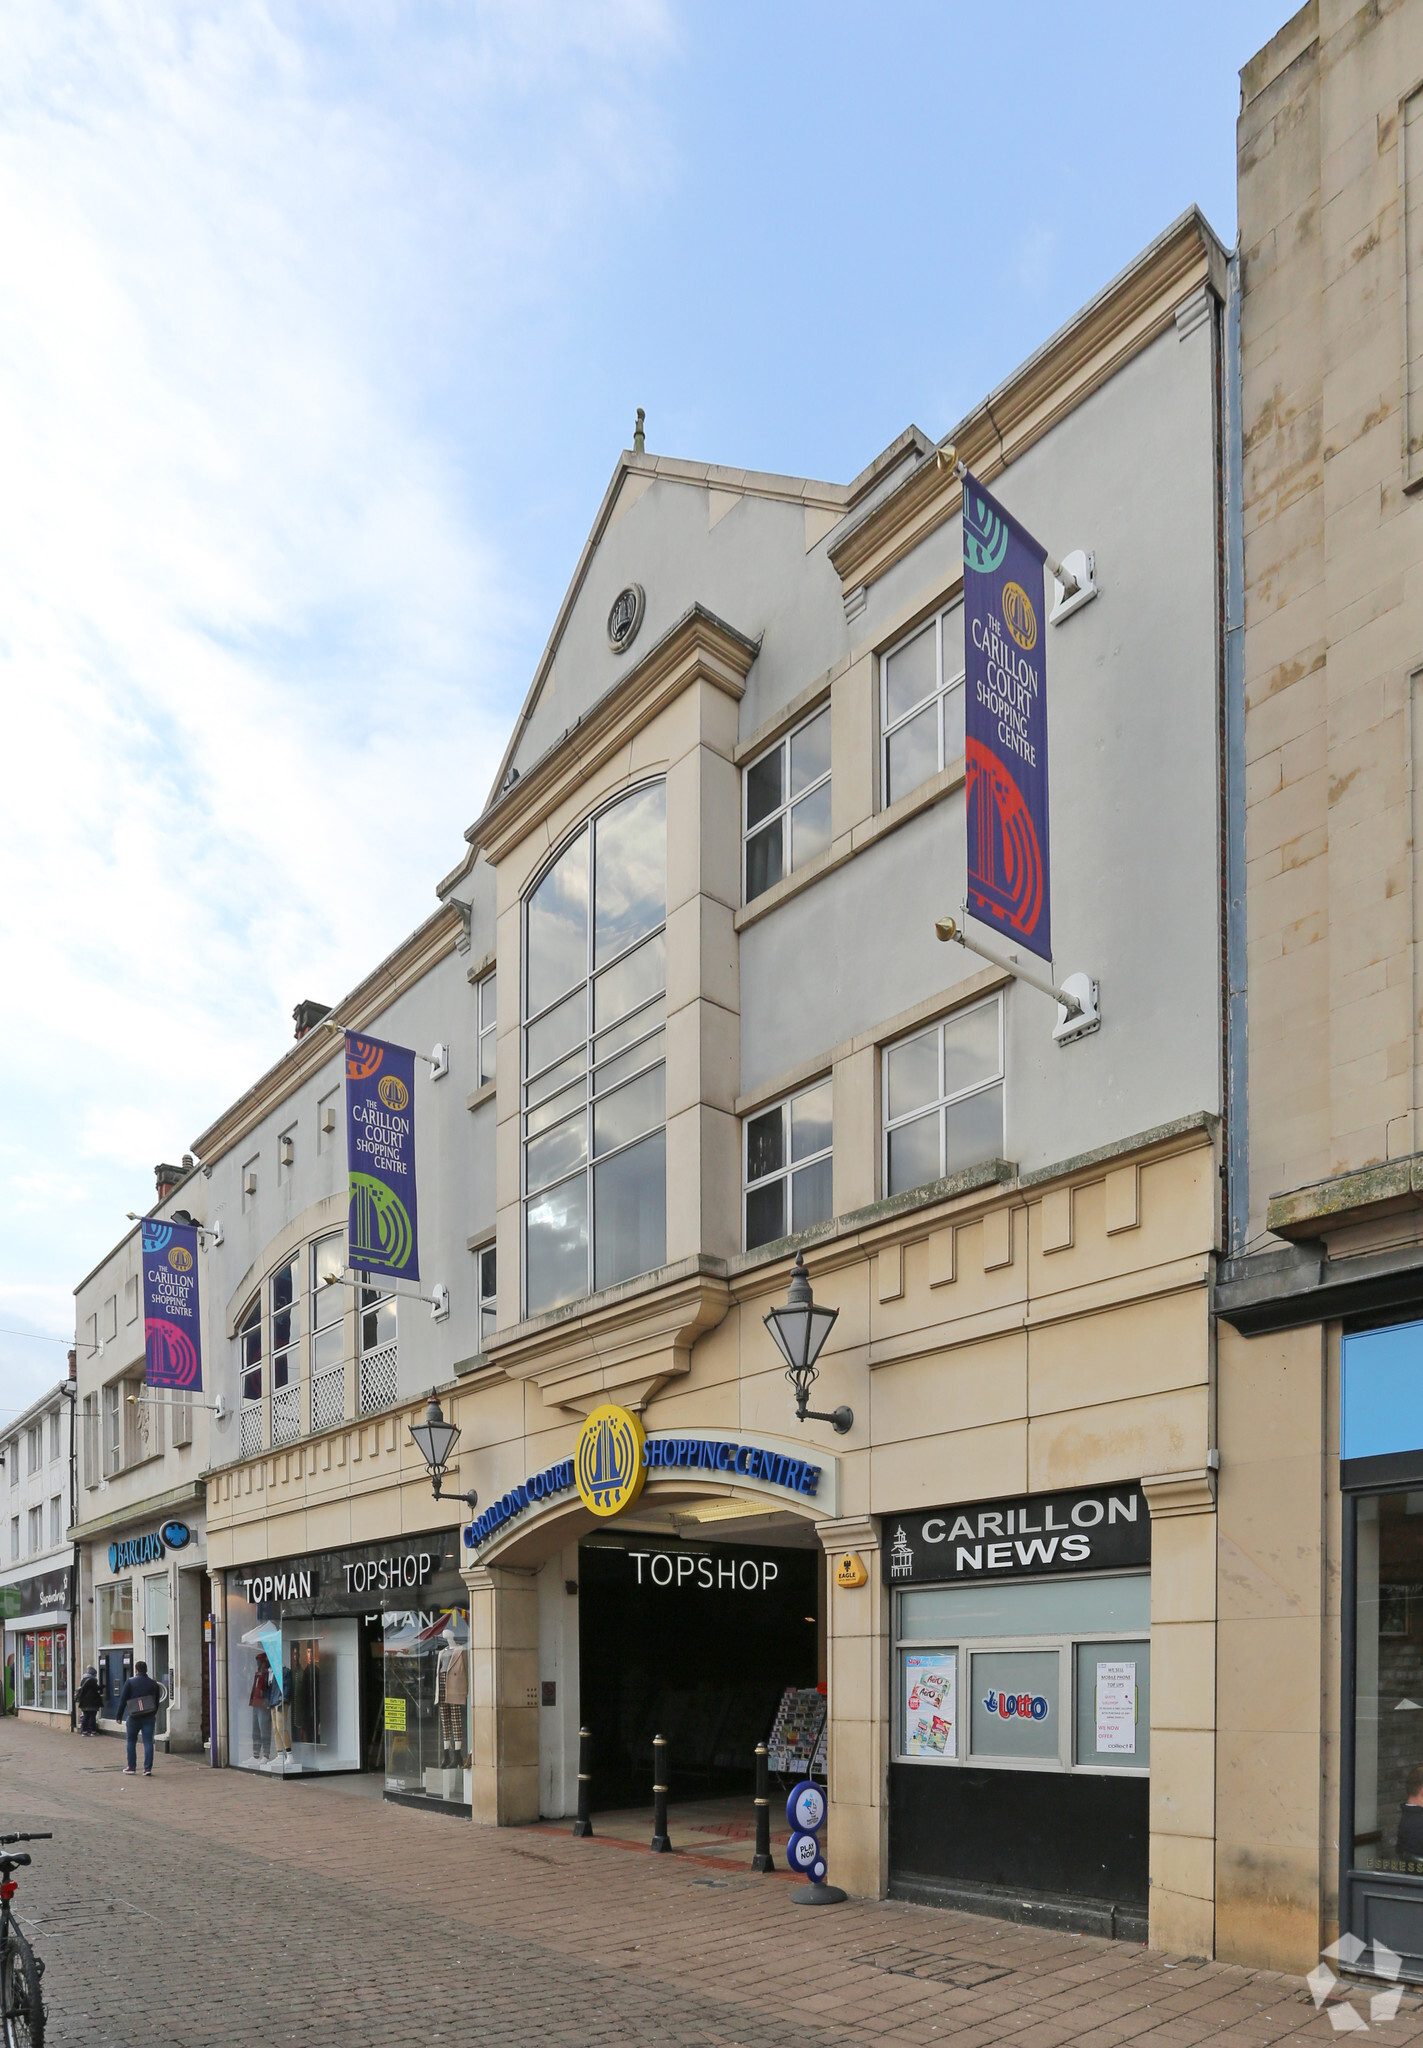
(380, 1157)
(1005, 721)
(172, 1335)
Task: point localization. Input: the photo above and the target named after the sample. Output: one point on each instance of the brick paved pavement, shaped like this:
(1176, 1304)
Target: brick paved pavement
(211, 1907)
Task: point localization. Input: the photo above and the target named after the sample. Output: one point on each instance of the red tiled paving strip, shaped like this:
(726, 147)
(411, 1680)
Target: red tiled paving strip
(205, 1908)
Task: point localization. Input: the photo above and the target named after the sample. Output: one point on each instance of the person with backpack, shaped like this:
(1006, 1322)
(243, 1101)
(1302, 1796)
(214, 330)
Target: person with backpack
(138, 1710)
(89, 1699)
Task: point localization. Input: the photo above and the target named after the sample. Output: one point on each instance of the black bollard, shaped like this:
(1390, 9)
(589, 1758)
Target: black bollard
(584, 1826)
(660, 1843)
(762, 1859)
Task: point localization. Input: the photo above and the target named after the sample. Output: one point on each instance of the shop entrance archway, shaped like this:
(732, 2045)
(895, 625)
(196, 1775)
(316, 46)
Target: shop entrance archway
(699, 1639)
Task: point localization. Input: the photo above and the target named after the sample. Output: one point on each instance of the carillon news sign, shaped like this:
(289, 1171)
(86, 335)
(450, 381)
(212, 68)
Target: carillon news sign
(1005, 722)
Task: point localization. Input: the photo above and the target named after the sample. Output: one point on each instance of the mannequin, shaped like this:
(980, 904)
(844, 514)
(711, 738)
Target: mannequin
(451, 1696)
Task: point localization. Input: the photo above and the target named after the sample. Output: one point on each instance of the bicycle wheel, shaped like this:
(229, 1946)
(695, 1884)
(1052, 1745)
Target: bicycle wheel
(24, 2008)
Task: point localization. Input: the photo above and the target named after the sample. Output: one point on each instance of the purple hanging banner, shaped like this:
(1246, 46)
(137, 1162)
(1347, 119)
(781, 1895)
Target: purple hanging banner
(380, 1157)
(172, 1333)
(1005, 722)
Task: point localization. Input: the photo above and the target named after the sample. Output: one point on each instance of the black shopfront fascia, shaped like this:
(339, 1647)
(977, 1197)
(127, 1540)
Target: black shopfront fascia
(417, 1572)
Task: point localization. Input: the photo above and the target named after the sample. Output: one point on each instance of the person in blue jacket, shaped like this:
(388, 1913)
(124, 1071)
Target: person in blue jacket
(138, 1710)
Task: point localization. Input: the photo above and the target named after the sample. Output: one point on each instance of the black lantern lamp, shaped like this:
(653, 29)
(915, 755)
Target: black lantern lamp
(800, 1330)
(435, 1440)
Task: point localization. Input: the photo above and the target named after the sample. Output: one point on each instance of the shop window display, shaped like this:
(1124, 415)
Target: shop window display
(294, 1698)
(426, 1675)
(1388, 1685)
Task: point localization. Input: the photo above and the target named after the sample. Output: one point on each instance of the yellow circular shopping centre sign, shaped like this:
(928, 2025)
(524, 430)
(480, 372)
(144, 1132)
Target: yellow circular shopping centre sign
(608, 1463)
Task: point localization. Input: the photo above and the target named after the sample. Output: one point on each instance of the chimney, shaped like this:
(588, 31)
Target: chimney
(167, 1178)
(73, 1366)
(306, 1016)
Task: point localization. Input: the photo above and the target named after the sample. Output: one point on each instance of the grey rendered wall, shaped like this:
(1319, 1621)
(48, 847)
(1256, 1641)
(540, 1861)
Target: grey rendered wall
(1132, 694)
(751, 569)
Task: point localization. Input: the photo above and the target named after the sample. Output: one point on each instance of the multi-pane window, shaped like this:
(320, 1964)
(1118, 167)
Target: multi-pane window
(786, 793)
(12, 1460)
(283, 1290)
(91, 1440)
(488, 996)
(594, 1067)
(328, 1330)
(789, 1182)
(14, 1536)
(921, 704)
(113, 1428)
(376, 1372)
(943, 1098)
(36, 1531)
(34, 1446)
(488, 1292)
(249, 1366)
(53, 1433)
(56, 1521)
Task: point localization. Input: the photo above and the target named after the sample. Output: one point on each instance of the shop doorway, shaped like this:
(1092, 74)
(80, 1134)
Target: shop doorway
(697, 1641)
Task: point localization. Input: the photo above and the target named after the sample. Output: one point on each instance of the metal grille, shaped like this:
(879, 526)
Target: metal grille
(286, 1415)
(251, 1428)
(328, 1399)
(378, 1386)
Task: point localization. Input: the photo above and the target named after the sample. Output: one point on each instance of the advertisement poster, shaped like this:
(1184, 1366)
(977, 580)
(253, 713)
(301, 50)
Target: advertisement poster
(380, 1157)
(929, 1684)
(172, 1332)
(1116, 1709)
(1005, 723)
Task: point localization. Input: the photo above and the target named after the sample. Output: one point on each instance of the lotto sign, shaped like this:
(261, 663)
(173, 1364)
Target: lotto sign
(805, 1809)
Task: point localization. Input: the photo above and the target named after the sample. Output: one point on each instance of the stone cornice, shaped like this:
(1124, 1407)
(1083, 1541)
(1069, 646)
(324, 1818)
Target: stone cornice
(625, 1348)
(1348, 1198)
(1180, 1493)
(191, 1494)
(1122, 320)
(399, 971)
(699, 648)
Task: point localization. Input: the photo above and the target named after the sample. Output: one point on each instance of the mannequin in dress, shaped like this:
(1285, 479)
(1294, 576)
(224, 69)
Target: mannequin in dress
(451, 1696)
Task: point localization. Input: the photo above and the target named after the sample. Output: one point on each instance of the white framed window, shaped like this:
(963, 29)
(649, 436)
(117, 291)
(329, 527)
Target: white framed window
(113, 1428)
(36, 1531)
(249, 1367)
(56, 1521)
(377, 1366)
(488, 996)
(943, 1097)
(328, 1332)
(786, 804)
(788, 1175)
(921, 704)
(594, 1151)
(488, 1292)
(91, 1440)
(111, 1318)
(53, 1434)
(14, 1537)
(34, 1446)
(283, 1294)
(12, 1460)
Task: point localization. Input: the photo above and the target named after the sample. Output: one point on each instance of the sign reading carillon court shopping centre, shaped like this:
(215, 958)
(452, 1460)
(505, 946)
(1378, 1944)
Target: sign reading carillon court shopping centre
(1100, 1528)
(172, 1331)
(613, 1458)
(380, 1157)
(1005, 723)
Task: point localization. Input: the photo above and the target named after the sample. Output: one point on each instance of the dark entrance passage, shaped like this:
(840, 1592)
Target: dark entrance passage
(694, 1641)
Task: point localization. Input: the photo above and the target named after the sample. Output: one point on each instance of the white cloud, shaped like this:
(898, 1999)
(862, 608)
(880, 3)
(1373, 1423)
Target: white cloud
(248, 595)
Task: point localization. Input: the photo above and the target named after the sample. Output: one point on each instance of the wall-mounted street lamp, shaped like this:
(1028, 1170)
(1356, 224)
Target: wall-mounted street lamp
(800, 1330)
(435, 1440)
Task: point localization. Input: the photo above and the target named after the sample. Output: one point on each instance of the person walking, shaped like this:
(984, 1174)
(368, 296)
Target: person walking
(138, 1710)
(89, 1699)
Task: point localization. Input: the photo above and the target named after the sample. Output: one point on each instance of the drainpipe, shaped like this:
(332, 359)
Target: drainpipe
(1237, 1075)
(71, 1394)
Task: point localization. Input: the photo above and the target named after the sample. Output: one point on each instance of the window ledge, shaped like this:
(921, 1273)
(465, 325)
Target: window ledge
(480, 1096)
(866, 833)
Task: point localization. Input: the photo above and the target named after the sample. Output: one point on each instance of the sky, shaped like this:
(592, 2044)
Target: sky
(321, 329)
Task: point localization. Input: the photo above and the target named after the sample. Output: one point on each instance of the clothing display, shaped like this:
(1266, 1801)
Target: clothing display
(451, 1697)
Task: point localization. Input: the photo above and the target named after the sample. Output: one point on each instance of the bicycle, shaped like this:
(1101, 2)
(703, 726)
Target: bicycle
(21, 2006)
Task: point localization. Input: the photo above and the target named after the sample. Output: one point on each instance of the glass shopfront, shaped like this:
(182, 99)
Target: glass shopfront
(1381, 1472)
(354, 1660)
(1022, 1748)
(37, 1640)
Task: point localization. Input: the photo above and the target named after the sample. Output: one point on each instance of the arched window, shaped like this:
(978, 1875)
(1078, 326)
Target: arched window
(249, 1350)
(594, 1046)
